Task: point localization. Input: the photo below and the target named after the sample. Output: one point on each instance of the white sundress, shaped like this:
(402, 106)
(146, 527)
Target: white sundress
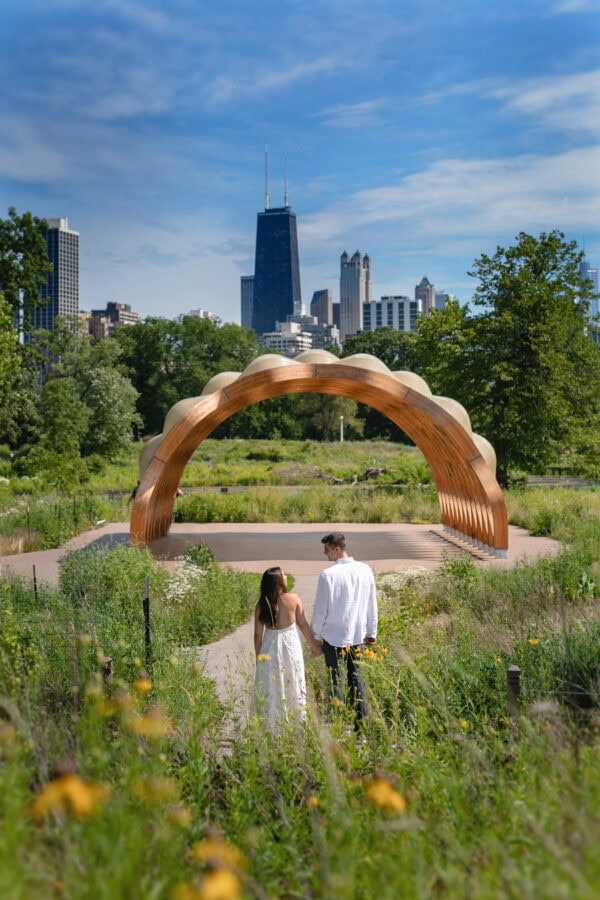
(280, 685)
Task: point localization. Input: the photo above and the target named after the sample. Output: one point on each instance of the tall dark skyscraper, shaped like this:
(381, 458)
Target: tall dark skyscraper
(276, 268)
(62, 284)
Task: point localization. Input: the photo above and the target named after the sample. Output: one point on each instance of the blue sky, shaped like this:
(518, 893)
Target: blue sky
(423, 133)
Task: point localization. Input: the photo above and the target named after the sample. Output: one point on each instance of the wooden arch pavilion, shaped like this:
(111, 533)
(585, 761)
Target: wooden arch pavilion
(462, 463)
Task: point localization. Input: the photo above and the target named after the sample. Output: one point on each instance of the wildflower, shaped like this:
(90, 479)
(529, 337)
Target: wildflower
(217, 851)
(263, 657)
(312, 801)
(143, 684)
(498, 659)
(154, 725)
(218, 885)
(533, 641)
(337, 702)
(382, 793)
(463, 724)
(59, 885)
(70, 793)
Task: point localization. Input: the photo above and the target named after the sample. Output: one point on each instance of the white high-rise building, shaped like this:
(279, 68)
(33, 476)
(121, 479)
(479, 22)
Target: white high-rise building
(397, 312)
(355, 290)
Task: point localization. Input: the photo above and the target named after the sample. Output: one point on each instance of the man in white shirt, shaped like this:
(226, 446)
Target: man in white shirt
(344, 618)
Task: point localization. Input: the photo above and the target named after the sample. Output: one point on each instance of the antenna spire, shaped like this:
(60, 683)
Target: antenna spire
(266, 177)
(286, 197)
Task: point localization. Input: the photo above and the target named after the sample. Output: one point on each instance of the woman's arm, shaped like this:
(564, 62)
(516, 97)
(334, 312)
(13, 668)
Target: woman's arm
(259, 630)
(304, 627)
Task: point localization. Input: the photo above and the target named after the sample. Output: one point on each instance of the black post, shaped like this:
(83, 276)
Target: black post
(35, 591)
(513, 690)
(147, 637)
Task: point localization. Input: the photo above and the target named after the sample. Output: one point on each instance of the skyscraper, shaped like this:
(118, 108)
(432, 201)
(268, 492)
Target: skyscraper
(425, 291)
(62, 284)
(355, 290)
(321, 306)
(276, 267)
(247, 297)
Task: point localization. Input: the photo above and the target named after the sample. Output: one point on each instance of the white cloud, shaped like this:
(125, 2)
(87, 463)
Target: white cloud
(574, 6)
(227, 88)
(568, 103)
(354, 115)
(479, 197)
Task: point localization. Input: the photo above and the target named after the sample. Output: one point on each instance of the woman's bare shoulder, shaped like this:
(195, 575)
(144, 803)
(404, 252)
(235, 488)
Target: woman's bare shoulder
(290, 598)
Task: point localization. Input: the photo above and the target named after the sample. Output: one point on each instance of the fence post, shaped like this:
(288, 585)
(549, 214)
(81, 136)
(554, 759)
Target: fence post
(35, 590)
(513, 690)
(147, 636)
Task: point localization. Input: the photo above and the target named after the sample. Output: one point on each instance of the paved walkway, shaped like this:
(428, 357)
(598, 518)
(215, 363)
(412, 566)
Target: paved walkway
(297, 548)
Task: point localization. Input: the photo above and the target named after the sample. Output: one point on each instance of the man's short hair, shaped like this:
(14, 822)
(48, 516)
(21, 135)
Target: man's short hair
(335, 539)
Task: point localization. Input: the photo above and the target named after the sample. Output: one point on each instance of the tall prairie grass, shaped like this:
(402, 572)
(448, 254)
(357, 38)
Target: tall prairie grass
(120, 786)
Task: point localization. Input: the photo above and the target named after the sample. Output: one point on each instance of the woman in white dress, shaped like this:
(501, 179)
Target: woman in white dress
(280, 681)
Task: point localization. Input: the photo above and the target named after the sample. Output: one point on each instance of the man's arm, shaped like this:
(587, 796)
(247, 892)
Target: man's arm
(321, 607)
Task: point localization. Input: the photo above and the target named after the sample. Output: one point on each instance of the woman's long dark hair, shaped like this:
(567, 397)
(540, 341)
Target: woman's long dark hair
(272, 586)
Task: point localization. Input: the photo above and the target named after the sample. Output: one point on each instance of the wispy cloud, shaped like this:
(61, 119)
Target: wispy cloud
(366, 114)
(575, 6)
(480, 197)
(567, 103)
(227, 88)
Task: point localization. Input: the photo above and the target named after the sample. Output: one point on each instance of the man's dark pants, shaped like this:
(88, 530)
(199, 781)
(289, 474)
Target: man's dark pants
(336, 658)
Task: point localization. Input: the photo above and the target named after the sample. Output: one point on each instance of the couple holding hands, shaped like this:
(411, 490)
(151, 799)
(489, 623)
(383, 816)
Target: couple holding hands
(344, 618)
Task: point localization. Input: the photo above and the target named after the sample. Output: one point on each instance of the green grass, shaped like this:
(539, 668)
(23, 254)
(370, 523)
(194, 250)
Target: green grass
(475, 802)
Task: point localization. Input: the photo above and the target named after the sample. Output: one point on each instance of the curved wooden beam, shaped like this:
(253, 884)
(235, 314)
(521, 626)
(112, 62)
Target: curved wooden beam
(471, 501)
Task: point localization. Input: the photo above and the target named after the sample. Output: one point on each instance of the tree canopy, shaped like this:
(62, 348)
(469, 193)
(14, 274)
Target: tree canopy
(525, 367)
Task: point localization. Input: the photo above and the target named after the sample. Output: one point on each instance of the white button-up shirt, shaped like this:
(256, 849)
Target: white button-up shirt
(345, 609)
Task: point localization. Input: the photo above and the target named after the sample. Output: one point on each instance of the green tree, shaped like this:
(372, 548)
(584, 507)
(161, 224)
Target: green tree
(394, 348)
(10, 364)
(321, 414)
(170, 359)
(397, 350)
(24, 264)
(525, 367)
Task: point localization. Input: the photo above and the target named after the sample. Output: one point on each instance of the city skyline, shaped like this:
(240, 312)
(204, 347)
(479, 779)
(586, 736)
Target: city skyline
(147, 127)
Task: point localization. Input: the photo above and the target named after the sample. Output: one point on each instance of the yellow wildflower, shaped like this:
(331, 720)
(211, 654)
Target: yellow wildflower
(218, 885)
(337, 702)
(533, 641)
(463, 724)
(263, 657)
(154, 725)
(498, 659)
(384, 795)
(70, 793)
(217, 851)
(143, 684)
(312, 801)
